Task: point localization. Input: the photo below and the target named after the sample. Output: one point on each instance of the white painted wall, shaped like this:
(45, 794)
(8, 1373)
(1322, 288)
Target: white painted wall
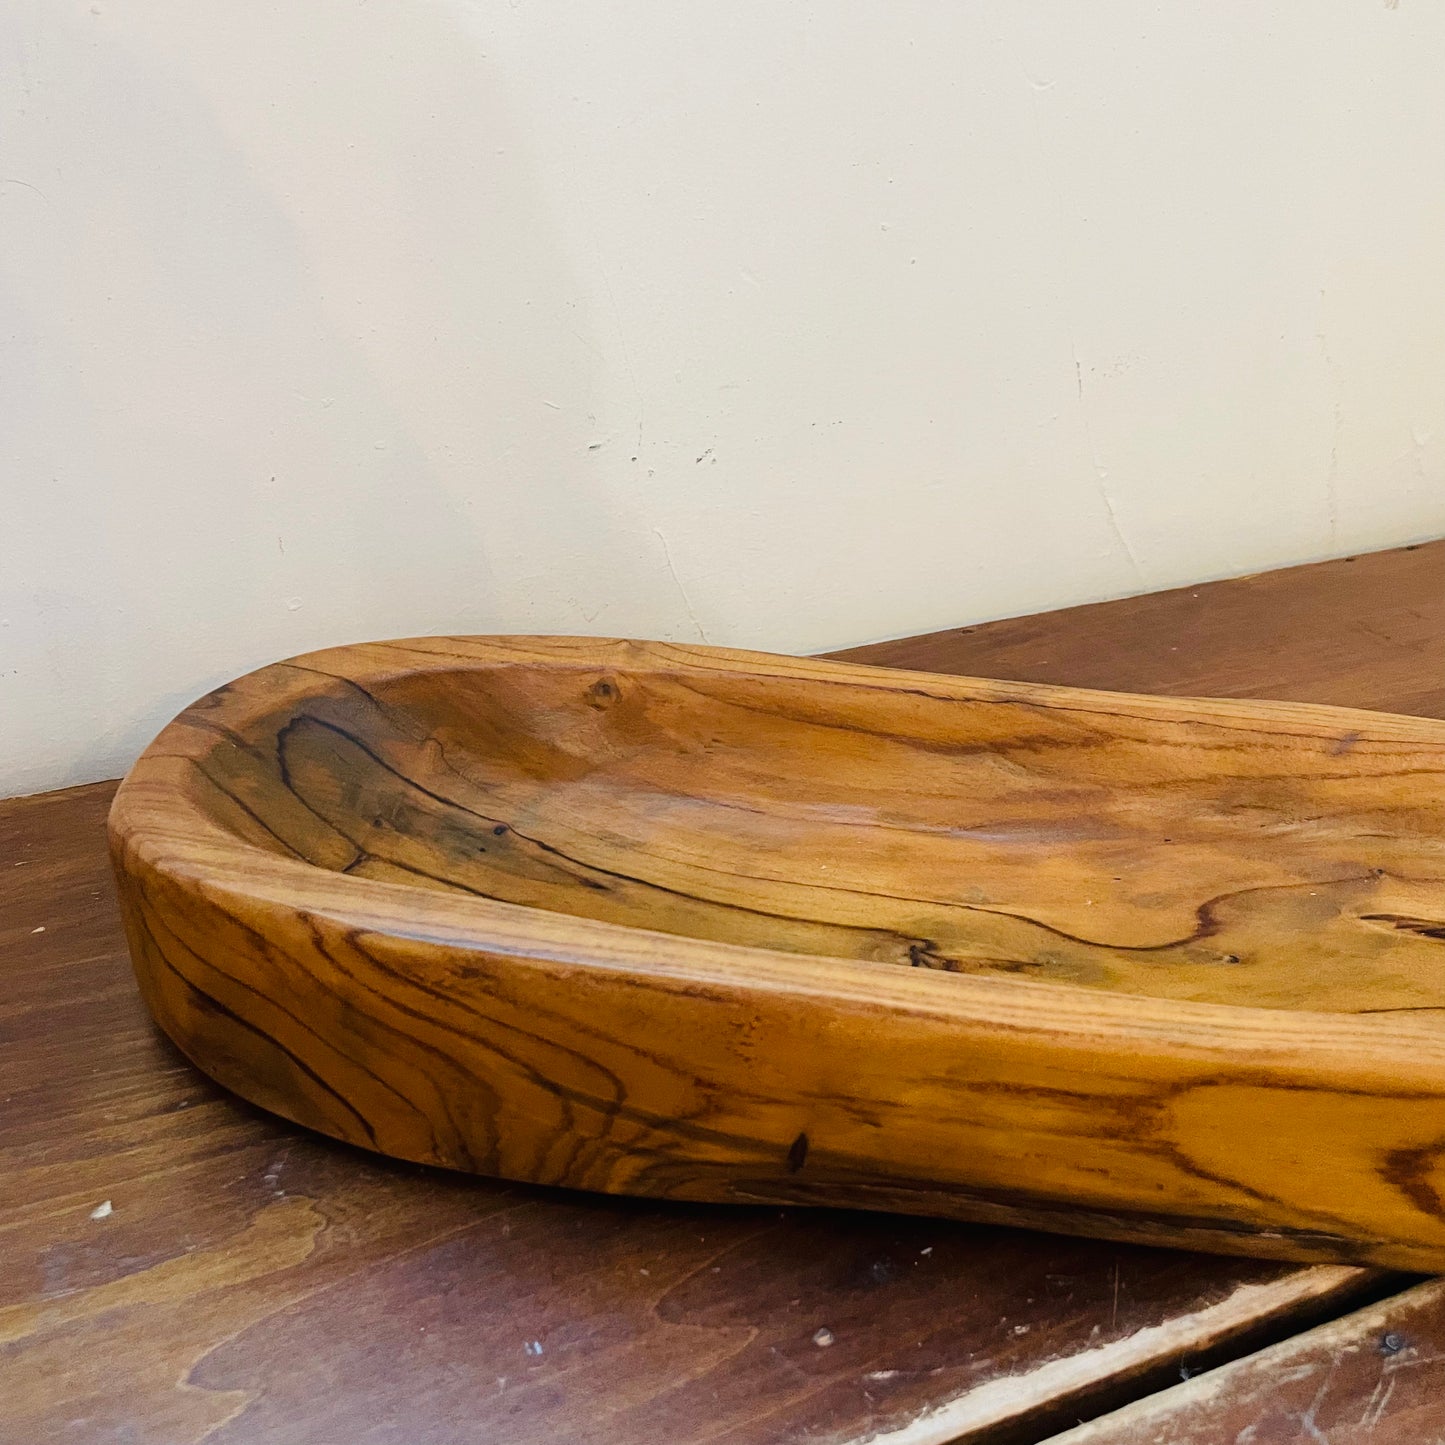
(778, 323)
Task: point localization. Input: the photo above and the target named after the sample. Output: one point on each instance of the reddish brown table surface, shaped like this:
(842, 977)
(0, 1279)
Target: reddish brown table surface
(177, 1267)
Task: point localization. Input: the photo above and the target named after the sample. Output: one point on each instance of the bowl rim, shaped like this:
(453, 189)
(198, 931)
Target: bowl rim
(156, 825)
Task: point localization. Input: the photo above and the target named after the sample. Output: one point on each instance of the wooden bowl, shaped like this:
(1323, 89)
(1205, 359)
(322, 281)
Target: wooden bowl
(702, 924)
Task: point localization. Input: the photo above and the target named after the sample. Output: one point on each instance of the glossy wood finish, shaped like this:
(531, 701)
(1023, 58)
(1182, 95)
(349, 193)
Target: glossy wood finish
(255, 1284)
(1375, 1377)
(670, 920)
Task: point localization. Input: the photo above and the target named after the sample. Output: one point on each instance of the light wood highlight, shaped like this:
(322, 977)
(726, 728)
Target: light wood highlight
(669, 920)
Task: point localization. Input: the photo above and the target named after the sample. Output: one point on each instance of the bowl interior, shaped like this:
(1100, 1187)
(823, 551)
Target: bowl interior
(1172, 858)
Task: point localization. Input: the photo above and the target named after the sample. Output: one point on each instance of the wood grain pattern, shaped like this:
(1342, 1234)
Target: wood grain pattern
(1374, 1377)
(676, 921)
(254, 1282)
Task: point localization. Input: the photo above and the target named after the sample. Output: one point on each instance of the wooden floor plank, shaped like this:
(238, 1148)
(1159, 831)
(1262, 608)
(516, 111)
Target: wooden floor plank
(178, 1267)
(1374, 1377)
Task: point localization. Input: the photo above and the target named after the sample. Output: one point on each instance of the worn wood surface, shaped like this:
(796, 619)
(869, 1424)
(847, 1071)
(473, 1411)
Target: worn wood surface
(1374, 1377)
(261, 1284)
(662, 919)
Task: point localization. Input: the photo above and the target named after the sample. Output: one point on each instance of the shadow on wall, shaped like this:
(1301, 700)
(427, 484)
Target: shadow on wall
(263, 402)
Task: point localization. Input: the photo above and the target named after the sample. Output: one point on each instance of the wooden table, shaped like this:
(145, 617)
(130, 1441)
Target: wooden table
(177, 1267)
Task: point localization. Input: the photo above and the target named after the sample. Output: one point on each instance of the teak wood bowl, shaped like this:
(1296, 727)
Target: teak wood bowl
(714, 925)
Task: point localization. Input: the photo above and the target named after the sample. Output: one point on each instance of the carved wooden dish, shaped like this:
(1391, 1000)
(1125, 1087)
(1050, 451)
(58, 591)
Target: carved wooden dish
(680, 921)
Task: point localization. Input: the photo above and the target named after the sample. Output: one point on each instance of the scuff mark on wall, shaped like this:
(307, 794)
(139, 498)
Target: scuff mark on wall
(1101, 472)
(1102, 484)
(1049, 166)
(682, 591)
(1337, 413)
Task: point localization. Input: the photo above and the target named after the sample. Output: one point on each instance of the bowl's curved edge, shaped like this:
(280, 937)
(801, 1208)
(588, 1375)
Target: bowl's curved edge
(504, 1041)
